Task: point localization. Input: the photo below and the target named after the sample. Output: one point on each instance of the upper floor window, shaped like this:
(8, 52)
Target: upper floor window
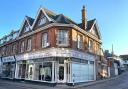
(3, 50)
(90, 45)
(42, 21)
(63, 37)
(14, 48)
(29, 44)
(15, 35)
(22, 46)
(79, 41)
(45, 40)
(26, 28)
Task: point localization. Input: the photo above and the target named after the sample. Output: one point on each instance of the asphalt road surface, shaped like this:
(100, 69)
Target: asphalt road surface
(120, 82)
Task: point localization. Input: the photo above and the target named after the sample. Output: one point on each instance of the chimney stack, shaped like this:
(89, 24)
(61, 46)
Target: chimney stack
(84, 18)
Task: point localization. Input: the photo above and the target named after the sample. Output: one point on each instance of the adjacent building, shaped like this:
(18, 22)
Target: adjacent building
(52, 48)
(102, 66)
(124, 62)
(113, 64)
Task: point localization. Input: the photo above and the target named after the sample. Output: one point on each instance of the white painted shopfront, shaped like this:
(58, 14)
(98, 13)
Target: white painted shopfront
(8, 67)
(59, 65)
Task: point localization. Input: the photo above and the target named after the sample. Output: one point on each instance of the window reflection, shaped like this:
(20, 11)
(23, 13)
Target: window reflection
(44, 71)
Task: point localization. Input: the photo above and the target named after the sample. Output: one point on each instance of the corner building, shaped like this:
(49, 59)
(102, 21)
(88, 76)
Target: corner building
(52, 48)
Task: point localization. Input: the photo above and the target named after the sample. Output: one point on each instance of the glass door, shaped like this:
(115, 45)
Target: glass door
(62, 73)
(30, 76)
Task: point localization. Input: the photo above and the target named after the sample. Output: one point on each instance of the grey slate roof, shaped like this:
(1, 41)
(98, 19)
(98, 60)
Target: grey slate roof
(30, 20)
(59, 18)
(89, 24)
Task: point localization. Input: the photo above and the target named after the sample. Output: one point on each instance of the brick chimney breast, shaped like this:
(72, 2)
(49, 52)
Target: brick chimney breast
(84, 18)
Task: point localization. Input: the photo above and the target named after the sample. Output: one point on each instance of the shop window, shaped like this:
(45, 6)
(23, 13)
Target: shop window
(63, 37)
(22, 70)
(47, 66)
(8, 70)
(44, 71)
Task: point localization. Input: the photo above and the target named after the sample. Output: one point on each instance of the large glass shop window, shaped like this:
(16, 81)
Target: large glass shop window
(44, 71)
(23, 70)
(8, 70)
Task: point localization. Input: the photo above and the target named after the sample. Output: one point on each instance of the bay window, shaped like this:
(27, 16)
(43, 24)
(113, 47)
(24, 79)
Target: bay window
(63, 37)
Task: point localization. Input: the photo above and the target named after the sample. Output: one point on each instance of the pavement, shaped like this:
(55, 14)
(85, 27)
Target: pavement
(119, 82)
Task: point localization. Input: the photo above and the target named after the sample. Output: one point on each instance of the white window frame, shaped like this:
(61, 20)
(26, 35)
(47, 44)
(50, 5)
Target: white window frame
(90, 45)
(42, 20)
(79, 41)
(45, 40)
(63, 38)
(22, 47)
(29, 44)
(13, 48)
(26, 28)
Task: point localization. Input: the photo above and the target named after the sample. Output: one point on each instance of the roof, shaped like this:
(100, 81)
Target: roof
(63, 19)
(30, 20)
(60, 18)
(57, 18)
(89, 24)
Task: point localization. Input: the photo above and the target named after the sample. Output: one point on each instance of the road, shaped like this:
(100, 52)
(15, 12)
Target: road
(120, 82)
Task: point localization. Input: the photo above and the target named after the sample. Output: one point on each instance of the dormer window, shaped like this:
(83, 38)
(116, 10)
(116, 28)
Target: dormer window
(26, 28)
(42, 21)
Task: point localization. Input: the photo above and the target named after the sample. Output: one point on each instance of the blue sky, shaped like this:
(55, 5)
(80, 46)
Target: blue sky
(112, 17)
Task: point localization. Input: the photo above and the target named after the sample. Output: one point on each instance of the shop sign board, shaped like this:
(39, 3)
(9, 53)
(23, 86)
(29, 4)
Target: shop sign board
(8, 59)
(55, 52)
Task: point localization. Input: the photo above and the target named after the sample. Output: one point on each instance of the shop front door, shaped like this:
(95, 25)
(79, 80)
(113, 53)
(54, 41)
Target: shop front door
(30, 72)
(62, 73)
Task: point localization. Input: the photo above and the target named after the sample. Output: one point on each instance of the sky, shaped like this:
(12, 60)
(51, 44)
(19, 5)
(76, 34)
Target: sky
(111, 15)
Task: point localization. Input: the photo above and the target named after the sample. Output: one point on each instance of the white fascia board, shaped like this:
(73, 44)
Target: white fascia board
(37, 15)
(49, 19)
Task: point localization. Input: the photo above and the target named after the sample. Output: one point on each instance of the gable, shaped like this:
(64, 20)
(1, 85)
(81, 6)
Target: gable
(26, 27)
(95, 30)
(43, 17)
